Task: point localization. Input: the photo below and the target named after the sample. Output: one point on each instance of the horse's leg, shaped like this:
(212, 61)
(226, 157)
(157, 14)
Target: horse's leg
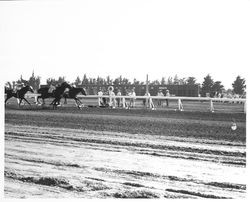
(52, 103)
(65, 100)
(56, 101)
(37, 100)
(19, 101)
(78, 102)
(7, 99)
(27, 101)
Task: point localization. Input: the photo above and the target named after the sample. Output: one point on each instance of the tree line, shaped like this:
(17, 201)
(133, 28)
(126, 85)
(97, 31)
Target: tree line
(208, 85)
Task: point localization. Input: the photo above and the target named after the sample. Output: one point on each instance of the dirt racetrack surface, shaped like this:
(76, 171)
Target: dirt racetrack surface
(117, 153)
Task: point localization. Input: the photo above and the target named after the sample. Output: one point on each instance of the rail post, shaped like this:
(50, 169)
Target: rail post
(180, 106)
(211, 106)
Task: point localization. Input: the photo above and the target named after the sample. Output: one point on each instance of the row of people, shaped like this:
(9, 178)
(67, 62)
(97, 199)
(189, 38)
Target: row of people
(117, 102)
(112, 101)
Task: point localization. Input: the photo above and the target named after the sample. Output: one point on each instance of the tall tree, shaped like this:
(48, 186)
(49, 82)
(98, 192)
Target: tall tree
(176, 80)
(117, 81)
(170, 81)
(155, 82)
(85, 80)
(61, 79)
(34, 81)
(163, 81)
(239, 85)
(182, 81)
(78, 81)
(22, 81)
(207, 85)
(51, 81)
(136, 82)
(217, 87)
(98, 80)
(191, 80)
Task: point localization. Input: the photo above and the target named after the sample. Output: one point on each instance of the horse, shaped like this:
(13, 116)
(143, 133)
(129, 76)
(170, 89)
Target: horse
(58, 93)
(44, 94)
(72, 94)
(19, 94)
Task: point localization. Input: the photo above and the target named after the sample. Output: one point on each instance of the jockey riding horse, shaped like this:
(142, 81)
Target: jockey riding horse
(19, 94)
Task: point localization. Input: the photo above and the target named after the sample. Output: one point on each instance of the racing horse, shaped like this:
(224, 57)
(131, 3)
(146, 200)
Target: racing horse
(19, 94)
(58, 93)
(72, 94)
(45, 93)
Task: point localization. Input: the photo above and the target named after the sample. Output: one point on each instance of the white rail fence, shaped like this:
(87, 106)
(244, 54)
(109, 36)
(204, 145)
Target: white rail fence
(149, 100)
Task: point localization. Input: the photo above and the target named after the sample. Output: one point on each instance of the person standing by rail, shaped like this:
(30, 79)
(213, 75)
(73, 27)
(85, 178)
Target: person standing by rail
(159, 94)
(119, 99)
(167, 95)
(132, 99)
(100, 94)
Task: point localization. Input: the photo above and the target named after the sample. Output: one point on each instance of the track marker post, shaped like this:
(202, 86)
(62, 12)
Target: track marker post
(211, 106)
(180, 106)
(123, 102)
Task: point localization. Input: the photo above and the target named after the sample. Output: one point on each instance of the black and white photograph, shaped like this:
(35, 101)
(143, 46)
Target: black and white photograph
(124, 99)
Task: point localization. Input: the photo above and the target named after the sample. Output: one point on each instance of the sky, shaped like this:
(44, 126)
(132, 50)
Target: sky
(132, 38)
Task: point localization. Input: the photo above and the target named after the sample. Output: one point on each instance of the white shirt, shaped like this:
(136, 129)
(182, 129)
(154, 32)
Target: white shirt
(100, 93)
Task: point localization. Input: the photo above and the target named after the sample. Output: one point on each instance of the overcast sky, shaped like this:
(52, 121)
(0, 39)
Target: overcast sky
(131, 38)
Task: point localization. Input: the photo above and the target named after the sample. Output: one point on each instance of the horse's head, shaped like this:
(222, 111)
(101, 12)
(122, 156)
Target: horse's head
(66, 85)
(83, 91)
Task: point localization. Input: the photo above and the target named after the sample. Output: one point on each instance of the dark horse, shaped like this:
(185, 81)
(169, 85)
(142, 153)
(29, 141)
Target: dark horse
(44, 94)
(58, 93)
(72, 93)
(19, 94)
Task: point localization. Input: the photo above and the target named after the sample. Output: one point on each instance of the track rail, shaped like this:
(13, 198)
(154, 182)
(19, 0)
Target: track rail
(149, 99)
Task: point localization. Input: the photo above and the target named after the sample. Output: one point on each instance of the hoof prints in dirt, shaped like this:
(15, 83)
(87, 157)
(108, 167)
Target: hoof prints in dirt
(240, 162)
(60, 182)
(196, 194)
(133, 194)
(48, 181)
(139, 174)
(18, 135)
(51, 162)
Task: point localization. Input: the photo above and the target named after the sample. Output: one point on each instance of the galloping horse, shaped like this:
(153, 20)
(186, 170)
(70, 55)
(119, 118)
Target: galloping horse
(19, 94)
(44, 94)
(58, 93)
(72, 93)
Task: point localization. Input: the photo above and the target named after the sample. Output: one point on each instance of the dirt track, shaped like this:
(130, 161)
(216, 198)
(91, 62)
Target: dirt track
(99, 153)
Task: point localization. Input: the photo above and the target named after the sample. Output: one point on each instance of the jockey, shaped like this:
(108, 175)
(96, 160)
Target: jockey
(18, 87)
(51, 88)
(16, 90)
